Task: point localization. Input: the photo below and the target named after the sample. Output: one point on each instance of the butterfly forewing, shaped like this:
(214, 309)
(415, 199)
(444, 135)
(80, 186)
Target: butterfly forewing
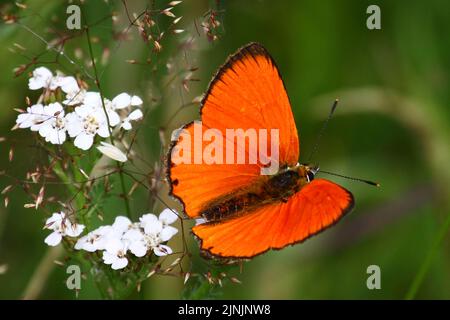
(246, 93)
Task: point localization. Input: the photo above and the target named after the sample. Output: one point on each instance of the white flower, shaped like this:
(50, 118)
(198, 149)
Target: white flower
(168, 216)
(67, 84)
(133, 116)
(33, 118)
(89, 120)
(95, 240)
(162, 250)
(124, 100)
(139, 247)
(157, 231)
(98, 238)
(121, 225)
(61, 226)
(94, 101)
(149, 241)
(135, 239)
(133, 234)
(121, 101)
(150, 222)
(41, 78)
(74, 98)
(115, 254)
(48, 120)
(123, 236)
(53, 128)
(154, 226)
(112, 152)
(136, 101)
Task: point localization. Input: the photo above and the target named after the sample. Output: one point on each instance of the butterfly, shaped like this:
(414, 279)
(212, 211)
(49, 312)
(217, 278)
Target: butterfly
(245, 213)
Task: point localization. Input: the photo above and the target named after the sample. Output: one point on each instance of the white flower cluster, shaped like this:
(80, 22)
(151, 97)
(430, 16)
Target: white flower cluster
(88, 117)
(61, 226)
(122, 236)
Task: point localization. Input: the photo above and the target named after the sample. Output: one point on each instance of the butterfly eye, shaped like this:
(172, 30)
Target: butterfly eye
(310, 175)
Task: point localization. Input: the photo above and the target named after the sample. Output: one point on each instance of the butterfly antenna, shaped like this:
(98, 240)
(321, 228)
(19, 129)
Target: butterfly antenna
(372, 183)
(322, 130)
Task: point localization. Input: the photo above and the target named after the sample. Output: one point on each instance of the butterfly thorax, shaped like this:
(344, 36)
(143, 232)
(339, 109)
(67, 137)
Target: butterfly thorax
(268, 189)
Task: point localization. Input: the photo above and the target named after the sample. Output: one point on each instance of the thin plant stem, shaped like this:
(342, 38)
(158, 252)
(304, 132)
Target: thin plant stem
(125, 195)
(97, 82)
(420, 275)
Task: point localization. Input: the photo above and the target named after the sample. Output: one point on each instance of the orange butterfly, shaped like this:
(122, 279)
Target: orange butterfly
(247, 213)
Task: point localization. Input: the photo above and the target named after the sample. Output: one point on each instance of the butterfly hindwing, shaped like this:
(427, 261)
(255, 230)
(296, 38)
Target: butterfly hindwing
(317, 206)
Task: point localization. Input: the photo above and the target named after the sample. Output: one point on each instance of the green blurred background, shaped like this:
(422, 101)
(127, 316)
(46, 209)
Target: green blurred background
(392, 125)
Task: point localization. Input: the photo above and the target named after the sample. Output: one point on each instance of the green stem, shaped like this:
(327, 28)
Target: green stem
(420, 275)
(79, 198)
(125, 196)
(97, 82)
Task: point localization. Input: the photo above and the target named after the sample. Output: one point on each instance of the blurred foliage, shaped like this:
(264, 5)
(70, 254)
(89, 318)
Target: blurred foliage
(392, 125)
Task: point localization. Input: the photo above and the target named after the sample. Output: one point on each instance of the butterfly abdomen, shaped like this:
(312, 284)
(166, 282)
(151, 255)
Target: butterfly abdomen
(231, 207)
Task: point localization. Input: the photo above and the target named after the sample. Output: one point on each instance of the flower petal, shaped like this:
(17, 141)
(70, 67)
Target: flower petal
(75, 98)
(74, 124)
(92, 99)
(167, 233)
(84, 141)
(60, 137)
(103, 131)
(41, 78)
(74, 229)
(138, 248)
(167, 216)
(119, 263)
(45, 130)
(121, 224)
(136, 101)
(121, 101)
(136, 115)
(81, 243)
(108, 258)
(162, 250)
(53, 239)
(55, 220)
(114, 246)
(153, 228)
(133, 235)
(69, 85)
(112, 152)
(147, 218)
(126, 125)
(114, 118)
